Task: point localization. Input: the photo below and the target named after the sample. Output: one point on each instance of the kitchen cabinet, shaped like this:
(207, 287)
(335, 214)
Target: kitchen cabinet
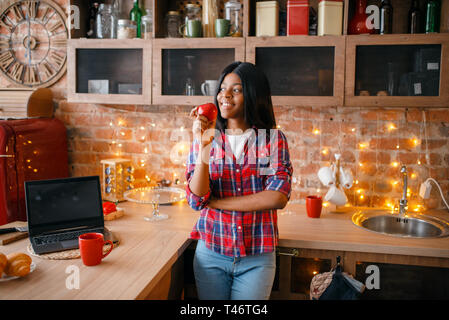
(400, 276)
(397, 70)
(109, 70)
(302, 70)
(181, 63)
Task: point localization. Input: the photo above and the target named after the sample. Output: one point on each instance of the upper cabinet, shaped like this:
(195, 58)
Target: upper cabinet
(109, 71)
(397, 70)
(185, 71)
(308, 51)
(302, 70)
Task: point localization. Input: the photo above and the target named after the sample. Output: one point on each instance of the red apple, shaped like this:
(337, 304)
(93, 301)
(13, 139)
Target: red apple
(209, 110)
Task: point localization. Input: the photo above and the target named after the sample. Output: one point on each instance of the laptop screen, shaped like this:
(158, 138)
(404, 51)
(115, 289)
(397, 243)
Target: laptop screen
(63, 204)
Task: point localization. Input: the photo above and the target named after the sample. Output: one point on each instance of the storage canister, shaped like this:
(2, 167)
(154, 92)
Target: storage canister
(126, 29)
(297, 17)
(330, 17)
(267, 18)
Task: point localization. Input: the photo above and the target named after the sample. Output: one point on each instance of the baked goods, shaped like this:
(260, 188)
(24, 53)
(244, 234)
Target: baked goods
(3, 263)
(19, 264)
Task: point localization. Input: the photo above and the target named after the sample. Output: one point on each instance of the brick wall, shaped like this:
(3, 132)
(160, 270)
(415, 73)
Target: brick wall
(373, 144)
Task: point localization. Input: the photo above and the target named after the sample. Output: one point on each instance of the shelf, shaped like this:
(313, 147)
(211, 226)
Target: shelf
(171, 68)
(92, 80)
(411, 83)
(302, 70)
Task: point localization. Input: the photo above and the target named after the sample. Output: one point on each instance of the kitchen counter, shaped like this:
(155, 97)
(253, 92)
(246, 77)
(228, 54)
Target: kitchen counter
(148, 250)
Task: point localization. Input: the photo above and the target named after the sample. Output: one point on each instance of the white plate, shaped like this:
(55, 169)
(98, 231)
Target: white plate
(7, 278)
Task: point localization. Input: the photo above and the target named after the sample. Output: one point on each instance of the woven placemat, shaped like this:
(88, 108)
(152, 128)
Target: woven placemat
(65, 255)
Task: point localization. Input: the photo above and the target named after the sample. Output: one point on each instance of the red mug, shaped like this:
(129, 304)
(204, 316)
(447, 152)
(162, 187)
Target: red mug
(91, 248)
(313, 206)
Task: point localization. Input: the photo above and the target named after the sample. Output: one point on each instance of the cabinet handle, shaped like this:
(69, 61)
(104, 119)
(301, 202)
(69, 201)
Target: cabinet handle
(294, 253)
(6, 156)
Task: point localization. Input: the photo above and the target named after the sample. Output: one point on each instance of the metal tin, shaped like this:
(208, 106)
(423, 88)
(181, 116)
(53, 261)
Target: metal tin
(267, 18)
(297, 17)
(330, 17)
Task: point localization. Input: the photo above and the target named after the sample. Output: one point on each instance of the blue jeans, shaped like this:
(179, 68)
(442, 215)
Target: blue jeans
(219, 277)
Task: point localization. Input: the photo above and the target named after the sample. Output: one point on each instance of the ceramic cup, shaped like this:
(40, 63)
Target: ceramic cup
(336, 196)
(191, 29)
(209, 87)
(346, 179)
(314, 204)
(91, 248)
(326, 176)
(222, 28)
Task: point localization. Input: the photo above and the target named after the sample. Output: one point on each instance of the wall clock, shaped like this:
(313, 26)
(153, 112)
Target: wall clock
(33, 42)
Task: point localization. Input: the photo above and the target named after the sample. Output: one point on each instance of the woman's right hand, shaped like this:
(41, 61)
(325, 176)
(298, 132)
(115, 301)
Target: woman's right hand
(201, 126)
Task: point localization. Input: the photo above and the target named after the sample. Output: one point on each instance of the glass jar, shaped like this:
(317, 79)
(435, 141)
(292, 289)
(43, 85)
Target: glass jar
(106, 22)
(232, 13)
(193, 12)
(147, 25)
(172, 24)
(126, 29)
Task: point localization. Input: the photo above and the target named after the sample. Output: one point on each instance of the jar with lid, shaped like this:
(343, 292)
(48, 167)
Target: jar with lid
(106, 22)
(126, 29)
(172, 24)
(192, 12)
(147, 25)
(232, 13)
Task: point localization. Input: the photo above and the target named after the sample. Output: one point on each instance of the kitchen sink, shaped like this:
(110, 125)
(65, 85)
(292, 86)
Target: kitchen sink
(411, 225)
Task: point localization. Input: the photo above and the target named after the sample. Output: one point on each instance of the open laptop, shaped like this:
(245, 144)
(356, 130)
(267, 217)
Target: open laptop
(59, 210)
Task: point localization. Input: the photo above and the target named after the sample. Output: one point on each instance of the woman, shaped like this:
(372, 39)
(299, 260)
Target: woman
(237, 181)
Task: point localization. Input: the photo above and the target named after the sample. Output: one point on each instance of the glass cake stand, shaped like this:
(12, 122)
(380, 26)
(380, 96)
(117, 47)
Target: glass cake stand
(155, 196)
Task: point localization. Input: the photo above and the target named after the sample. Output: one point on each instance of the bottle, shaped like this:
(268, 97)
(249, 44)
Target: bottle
(136, 16)
(414, 18)
(93, 10)
(432, 16)
(210, 14)
(386, 17)
(357, 25)
(147, 25)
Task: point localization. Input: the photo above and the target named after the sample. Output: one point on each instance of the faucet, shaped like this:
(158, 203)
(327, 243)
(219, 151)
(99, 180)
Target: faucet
(403, 202)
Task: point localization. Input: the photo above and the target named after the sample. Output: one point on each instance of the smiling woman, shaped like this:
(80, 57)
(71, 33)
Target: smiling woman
(238, 181)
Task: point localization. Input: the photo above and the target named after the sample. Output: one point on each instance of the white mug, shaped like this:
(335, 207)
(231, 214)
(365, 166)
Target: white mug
(326, 176)
(336, 196)
(209, 87)
(346, 179)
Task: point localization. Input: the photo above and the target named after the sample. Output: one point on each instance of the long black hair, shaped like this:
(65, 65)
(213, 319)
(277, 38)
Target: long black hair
(258, 108)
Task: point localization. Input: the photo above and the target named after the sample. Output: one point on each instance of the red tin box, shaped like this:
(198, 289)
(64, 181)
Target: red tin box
(297, 17)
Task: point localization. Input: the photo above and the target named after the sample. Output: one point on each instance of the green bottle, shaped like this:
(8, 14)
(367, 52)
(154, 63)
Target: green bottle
(433, 16)
(136, 16)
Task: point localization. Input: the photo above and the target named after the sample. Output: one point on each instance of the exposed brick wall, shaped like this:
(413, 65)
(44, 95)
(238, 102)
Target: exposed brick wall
(363, 136)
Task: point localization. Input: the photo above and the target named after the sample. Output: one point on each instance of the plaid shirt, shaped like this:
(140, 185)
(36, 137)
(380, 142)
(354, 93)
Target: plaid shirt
(264, 165)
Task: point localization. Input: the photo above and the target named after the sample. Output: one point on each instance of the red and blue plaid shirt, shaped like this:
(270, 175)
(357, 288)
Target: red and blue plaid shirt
(264, 165)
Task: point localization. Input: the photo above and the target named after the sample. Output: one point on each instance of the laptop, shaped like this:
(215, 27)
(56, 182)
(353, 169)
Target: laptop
(60, 210)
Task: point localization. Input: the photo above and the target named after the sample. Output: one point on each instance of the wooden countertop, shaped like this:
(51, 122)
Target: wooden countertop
(147, 251)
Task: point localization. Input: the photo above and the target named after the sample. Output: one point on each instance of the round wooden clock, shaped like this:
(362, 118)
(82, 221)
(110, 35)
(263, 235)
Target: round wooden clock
(33, 42)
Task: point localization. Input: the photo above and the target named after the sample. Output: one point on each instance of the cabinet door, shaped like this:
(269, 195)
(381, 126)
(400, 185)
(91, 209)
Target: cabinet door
(397, 70)
(109, 71)
(403, 282)
(302, 70)
(182, 66)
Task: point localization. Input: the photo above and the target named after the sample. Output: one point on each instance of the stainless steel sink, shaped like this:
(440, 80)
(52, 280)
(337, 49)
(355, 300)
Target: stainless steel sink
(412, 225)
